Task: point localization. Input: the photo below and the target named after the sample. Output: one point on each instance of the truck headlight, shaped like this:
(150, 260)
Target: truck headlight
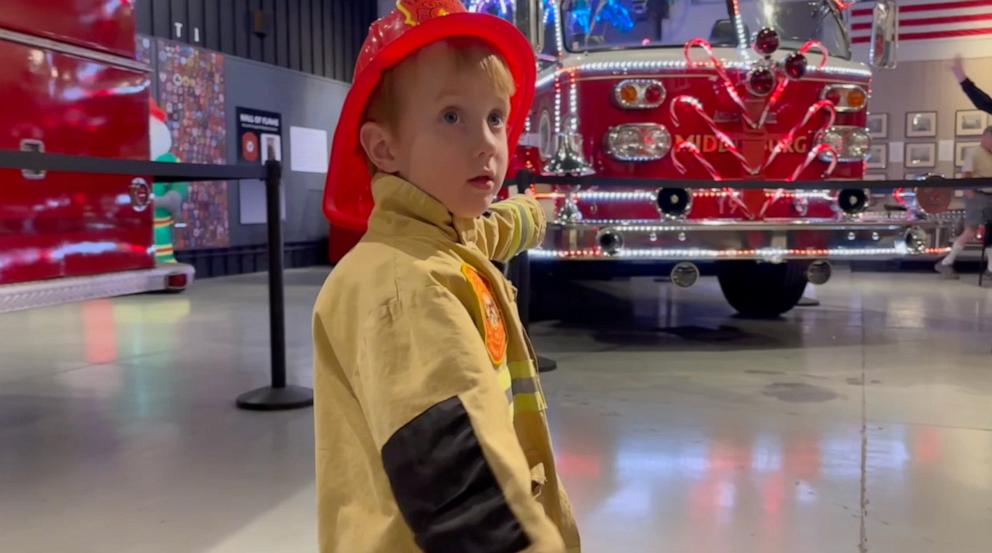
(638, 142)
(851, 143)
(846, 97)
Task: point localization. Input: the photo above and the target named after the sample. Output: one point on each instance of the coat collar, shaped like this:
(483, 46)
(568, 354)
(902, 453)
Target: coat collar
(401, 207)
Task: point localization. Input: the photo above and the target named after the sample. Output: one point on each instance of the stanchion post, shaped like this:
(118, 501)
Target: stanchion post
(278, 396)
(522, 272)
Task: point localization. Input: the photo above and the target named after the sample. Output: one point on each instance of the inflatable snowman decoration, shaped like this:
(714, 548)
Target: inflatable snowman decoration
(168, 196)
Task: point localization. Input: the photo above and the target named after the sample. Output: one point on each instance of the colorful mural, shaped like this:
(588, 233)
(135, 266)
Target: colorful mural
(191, 92)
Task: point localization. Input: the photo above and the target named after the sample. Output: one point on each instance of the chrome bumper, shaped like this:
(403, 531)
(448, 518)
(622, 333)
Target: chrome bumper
(772, 241)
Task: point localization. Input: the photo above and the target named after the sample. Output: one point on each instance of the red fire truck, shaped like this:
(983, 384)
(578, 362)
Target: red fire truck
(648, 111)
(71, 85)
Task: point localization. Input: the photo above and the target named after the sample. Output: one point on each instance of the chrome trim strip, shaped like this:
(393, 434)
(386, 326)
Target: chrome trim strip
(88, 53)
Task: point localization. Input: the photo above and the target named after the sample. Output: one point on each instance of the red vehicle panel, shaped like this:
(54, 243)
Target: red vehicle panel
(106, 25)
(62, 224)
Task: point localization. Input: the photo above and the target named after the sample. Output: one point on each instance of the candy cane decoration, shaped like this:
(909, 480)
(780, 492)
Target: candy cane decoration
(694, 150)
(721, 71)
(782, 84)
(727, 142)
(816, 152)
(786, 142)
(714, 174)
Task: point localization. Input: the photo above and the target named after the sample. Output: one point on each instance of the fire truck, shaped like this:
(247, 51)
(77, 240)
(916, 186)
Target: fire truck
(72, 85)
(647, 112)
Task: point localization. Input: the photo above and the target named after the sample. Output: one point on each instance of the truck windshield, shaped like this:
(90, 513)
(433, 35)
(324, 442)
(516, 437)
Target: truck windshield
(620, 24)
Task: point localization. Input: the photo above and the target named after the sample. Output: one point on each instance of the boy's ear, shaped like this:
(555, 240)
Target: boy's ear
(378, 144)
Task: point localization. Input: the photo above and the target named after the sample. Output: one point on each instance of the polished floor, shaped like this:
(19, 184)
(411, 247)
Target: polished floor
(860, 425)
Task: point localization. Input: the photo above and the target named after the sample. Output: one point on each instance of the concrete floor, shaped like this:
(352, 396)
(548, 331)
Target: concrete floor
(864, 424)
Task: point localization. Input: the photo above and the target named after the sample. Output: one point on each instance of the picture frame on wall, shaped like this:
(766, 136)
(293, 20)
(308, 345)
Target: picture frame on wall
(970, 122)
(878, 156)
(878, 125)
(921, 124)
(921, 154)
(961, 151)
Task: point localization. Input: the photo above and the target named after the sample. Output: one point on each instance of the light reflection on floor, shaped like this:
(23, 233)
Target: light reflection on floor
(679, 428)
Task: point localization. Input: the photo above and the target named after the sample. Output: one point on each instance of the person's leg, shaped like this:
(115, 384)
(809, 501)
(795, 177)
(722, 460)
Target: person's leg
(967, 236)
(946, 265)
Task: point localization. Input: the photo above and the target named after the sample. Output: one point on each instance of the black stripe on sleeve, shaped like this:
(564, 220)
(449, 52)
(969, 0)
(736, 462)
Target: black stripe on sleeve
(445, 489)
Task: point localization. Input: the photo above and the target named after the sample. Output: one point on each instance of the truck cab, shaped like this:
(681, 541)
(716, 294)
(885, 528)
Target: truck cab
(647, 112)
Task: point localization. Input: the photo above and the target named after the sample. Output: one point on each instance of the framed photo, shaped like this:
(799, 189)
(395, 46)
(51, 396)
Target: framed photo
(878, 156)
(961, 152)
(875, 176)
(921, 154)
(878, 125)
(970, 122)
(921, 124)
(271, 147)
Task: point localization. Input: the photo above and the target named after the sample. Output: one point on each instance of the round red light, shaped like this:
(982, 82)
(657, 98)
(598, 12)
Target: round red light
(767, 41)
(654, 94)
(795, 65)
(761, 82)
(834, 96)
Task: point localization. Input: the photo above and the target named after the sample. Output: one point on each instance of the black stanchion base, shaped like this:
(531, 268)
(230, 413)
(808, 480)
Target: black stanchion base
(276, 399)
(545, 365)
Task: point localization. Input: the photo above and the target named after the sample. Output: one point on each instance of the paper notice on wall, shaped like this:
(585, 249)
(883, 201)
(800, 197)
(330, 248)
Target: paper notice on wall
(308, 150)
(896, 152)
(945, 150)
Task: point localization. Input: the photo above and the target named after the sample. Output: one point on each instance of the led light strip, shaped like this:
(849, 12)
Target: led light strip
(742, 40)
(764, 253)
(559, 39)
(573, 102)
(623, 67)
(640, 195)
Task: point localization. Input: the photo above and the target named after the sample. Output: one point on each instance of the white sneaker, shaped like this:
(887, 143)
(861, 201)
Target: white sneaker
(947, 271)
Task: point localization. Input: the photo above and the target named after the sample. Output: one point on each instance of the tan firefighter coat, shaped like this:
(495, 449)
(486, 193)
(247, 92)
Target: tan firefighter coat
(430, 420)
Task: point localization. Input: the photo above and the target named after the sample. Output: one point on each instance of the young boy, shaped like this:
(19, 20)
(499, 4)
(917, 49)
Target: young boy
(430, 421)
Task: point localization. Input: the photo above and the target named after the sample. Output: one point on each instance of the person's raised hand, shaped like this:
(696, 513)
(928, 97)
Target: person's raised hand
(957, 67)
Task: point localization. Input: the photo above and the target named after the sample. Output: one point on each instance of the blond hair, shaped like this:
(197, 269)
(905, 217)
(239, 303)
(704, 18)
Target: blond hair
(384, 106)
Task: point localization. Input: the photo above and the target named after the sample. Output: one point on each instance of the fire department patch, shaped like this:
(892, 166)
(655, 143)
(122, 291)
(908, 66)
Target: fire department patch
(418, 11)
(494, 329)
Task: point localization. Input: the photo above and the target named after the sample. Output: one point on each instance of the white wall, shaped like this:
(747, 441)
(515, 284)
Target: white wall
(386, 6)
(925, 86)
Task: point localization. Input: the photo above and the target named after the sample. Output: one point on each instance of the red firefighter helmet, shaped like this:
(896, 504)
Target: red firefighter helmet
(413, 25)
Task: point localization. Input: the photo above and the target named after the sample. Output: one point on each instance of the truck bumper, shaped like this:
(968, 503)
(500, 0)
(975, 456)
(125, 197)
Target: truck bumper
(771, 241)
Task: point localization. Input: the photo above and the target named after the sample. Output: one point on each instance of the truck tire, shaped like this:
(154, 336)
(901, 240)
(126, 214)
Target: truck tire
(762, 290)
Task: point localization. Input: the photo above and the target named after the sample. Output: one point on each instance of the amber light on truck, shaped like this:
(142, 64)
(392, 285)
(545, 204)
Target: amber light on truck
(851, 143)
(638, 142)
(639, 94)
(846, 97)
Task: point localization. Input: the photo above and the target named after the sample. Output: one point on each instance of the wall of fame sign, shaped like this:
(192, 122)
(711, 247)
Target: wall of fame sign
(191, 91)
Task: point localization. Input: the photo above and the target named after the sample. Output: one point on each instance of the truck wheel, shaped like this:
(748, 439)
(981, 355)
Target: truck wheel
(762, 290)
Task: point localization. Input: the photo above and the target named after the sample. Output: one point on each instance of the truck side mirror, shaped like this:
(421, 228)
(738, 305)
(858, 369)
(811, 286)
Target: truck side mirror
(884, 34)
(528, 16)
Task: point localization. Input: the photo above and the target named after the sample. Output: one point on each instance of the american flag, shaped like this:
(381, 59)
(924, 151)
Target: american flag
(921, 20)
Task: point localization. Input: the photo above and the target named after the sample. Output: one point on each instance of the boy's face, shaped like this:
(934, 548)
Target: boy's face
(451, 137)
